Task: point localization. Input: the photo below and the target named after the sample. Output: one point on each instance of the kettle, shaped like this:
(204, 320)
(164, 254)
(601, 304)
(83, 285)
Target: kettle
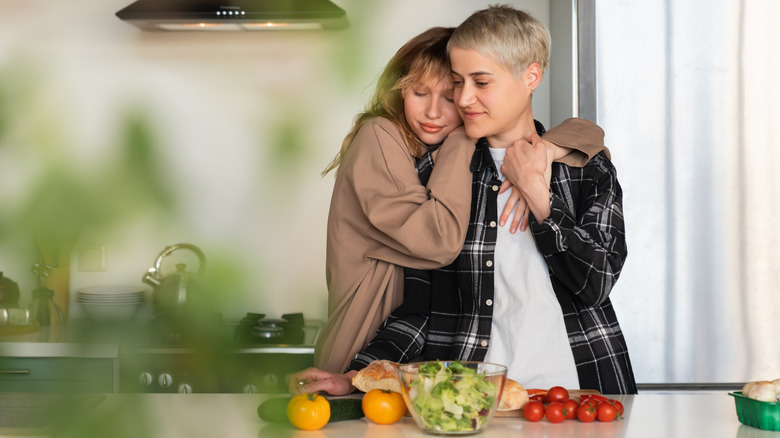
(171, 292)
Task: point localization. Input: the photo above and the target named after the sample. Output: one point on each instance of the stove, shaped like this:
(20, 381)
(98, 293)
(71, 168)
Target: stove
(252, 355)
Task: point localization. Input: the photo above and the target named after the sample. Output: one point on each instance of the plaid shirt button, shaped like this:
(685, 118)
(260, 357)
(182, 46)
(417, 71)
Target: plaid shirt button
(489, 302)
(492, 224)
(489, 263)
(483, 343)
(495, 188)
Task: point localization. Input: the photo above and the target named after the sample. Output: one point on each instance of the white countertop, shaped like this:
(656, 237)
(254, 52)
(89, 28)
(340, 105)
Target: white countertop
(55, 341)
(704, 414)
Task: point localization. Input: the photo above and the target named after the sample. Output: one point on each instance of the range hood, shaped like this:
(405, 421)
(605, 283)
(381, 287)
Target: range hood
(234, 15)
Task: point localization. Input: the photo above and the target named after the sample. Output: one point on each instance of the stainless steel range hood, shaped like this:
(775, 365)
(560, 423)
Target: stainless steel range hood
(234, 15)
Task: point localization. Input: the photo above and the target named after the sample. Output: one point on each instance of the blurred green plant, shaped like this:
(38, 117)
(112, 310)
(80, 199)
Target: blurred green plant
(60, 198)
(118, 417)
(354, 46)
(289, 144)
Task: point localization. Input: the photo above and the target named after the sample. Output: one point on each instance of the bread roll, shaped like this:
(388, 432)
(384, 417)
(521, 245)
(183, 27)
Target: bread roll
(379, 374)
(513, 396)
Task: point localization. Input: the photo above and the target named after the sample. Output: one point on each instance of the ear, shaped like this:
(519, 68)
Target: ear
(533, 76)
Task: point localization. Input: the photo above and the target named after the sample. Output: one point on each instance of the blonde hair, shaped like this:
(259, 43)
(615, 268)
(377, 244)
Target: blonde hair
(421, 59)
(511, 37)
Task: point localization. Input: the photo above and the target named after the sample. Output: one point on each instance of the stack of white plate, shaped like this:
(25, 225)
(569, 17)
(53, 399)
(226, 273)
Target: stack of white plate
(115, 303)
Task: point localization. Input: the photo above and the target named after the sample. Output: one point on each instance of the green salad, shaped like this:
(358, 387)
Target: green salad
(452, 398)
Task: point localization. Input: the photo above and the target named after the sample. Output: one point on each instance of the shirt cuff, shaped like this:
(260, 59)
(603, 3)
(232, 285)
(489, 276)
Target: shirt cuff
(549, 235)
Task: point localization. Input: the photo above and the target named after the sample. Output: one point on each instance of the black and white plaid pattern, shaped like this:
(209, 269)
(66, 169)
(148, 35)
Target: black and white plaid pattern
(446, 315)
(424, 165)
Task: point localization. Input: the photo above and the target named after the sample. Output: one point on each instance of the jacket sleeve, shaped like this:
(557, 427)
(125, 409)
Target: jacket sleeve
(414, 226)
(584, 138)
(583, 239)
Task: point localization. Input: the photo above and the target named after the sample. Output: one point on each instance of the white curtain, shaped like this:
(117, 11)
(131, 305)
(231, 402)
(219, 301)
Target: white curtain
(689, 96)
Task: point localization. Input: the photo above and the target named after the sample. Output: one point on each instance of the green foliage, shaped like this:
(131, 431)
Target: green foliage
(139, 163)
(59, 195)
(289, 143)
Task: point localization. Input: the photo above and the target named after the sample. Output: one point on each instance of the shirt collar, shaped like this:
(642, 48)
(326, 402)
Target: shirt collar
(481, 159)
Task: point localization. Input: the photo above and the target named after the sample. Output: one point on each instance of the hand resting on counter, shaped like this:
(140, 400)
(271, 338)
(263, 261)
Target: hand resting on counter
(316, 380)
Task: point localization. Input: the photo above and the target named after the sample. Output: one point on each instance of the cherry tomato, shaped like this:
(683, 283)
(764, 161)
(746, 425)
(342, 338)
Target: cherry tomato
(557, 394)
(570, 408)
(606, 412)
(618, 406)
(308, 411)
(592, 403)
(533, 411)
(554, 412)
(586, 413)
(383, 407)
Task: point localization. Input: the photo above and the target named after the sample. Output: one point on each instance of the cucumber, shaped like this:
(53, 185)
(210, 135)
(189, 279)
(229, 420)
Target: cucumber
(274, 410)
(345, 409)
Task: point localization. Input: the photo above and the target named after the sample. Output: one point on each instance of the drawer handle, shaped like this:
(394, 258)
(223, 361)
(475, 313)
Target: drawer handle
(14, 371)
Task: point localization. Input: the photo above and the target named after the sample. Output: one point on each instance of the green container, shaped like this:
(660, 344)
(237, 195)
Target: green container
(760, 414)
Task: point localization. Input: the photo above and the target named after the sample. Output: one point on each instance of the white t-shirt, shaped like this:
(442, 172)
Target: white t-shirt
(528, 334)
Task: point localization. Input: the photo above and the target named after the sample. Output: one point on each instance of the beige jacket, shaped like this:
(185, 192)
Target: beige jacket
(382, 219)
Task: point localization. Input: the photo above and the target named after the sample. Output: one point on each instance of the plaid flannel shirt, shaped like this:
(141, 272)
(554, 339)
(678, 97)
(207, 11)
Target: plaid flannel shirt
(447, 313)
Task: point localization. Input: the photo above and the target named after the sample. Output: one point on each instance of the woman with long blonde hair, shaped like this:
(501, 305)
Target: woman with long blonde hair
(382, 217)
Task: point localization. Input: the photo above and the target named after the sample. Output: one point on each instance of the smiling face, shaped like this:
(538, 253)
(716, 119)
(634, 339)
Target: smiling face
(430, 110)
(490, 100)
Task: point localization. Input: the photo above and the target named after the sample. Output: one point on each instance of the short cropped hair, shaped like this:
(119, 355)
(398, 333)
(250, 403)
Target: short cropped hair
(511, 37)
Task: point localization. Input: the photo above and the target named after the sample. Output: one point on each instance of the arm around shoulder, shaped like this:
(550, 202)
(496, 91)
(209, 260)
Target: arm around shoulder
(421, 226)
(583, 138)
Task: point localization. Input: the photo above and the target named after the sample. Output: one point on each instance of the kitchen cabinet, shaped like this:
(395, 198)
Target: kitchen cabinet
(57, 374)
(43, 367)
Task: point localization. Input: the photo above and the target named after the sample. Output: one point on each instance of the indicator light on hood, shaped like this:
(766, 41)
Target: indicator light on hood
(282, 26)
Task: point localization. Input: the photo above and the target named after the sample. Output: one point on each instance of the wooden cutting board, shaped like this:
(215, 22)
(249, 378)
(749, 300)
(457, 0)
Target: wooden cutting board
(574, 393)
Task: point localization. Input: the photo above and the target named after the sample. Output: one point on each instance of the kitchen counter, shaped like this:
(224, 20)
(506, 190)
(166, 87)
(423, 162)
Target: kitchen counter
(704, 414)
(58, 349)
(76, 339)
(80, 338)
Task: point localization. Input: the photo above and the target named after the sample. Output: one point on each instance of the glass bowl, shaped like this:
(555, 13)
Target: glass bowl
(452, 397)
